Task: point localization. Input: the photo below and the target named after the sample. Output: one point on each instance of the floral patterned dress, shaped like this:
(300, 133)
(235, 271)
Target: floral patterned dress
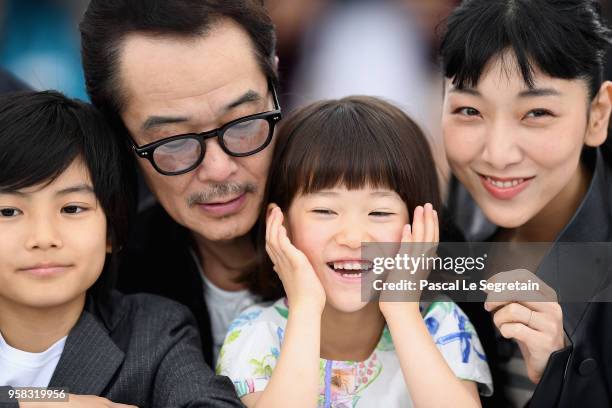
(252, 347)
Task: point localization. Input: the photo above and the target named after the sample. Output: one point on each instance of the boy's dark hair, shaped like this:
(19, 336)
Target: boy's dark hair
(106, 24)
(354, 141)
(563, 38)
(42, 133)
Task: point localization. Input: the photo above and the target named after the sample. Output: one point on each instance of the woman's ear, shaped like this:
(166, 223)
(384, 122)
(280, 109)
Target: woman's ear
(599, 117)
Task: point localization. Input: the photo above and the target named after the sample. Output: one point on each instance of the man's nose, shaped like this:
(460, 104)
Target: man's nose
(44, 234)
(501, 148)
(217, 165)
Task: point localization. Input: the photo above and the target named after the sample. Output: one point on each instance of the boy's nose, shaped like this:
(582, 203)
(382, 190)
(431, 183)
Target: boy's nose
(43, 236)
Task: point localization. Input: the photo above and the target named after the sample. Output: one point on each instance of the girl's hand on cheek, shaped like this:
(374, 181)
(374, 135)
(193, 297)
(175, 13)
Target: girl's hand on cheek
(299, 279)
(420, 238)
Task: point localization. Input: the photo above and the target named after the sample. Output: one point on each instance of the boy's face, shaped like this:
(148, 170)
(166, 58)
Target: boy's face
(52, 241)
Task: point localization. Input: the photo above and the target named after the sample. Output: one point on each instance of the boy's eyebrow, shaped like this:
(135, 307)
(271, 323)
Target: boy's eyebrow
(158, 121)
(79, 188)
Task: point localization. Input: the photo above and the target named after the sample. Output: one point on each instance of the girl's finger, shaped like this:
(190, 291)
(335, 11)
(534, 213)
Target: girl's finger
(407, 234)
(428, 234)
(436, 227)
(417, 225)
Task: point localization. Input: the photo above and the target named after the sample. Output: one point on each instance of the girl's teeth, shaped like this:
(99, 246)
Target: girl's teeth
(351, 275)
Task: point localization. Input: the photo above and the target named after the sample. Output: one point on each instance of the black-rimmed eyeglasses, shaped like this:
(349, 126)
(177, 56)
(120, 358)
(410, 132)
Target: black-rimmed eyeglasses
(180, 154)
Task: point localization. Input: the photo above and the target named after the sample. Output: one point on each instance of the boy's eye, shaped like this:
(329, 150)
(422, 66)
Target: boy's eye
(10, 212)
(73, 209)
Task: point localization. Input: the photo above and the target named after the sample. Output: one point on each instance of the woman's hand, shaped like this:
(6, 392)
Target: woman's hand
(535, 321)
(420, 238)
(299, 279)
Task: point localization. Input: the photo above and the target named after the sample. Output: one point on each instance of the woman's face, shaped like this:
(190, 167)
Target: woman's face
(330, 226)
(514, 148)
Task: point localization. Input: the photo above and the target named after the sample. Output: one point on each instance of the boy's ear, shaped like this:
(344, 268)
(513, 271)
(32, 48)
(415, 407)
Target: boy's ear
(599, 118)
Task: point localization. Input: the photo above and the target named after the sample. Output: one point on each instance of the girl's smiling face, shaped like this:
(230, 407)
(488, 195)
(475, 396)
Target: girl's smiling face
(330, 226)
(517, 149)
(54, 240)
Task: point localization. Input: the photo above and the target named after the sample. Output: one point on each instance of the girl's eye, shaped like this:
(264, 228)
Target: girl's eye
(466, 111)
(323, 211)
(380, 213)
(538, 113)
(73, 209)
(9, 212)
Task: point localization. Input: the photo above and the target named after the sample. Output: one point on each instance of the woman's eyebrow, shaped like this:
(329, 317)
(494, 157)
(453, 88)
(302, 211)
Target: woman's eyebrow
(535, 92)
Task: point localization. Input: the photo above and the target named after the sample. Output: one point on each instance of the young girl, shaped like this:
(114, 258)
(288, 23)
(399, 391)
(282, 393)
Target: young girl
(524, 114)
(346, 172)
(63, 216)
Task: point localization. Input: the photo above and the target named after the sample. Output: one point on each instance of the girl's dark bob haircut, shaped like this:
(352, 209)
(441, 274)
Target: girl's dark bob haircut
(565, 39)
(42, 133)
(355, 141)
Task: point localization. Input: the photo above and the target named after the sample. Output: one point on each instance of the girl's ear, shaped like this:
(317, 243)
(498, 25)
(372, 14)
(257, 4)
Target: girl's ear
(601, 106)
(109, 247)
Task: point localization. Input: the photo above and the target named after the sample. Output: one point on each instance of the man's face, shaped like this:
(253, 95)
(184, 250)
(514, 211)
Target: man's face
(176, 85)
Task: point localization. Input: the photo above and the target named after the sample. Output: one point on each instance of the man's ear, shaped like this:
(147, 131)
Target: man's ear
(601, 106)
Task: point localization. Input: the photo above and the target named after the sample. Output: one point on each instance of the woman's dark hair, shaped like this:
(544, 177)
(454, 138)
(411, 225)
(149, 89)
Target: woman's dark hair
(355, 141)
(563, 38)
(42, 133)
(107, 23)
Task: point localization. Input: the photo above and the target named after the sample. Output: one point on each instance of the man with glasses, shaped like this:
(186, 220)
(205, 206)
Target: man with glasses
(190, 87)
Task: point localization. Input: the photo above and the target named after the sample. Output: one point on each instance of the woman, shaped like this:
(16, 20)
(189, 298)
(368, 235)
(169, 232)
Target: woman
(525, 111)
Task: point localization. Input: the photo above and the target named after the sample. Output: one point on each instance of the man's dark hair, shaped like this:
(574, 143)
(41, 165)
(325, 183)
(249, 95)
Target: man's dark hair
(565, 39)
(42, 133)
(106, 24)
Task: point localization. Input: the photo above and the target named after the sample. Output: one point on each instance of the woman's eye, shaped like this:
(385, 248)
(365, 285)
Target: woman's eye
(466, 111)
(538, 113)
(9, 212)
(73, 209)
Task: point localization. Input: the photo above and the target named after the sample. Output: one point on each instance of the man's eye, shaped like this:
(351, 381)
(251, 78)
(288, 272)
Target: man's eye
(73, 209)
(10, 212)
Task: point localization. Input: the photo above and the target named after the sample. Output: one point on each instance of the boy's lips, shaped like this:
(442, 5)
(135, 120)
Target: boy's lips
(224, 208)
(504, 188)
(45, 269)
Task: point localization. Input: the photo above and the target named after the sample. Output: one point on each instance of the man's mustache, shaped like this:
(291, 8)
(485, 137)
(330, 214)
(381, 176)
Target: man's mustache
(219, 191)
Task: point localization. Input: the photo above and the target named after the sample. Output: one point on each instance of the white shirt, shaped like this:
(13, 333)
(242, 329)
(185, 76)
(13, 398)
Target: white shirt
(22, 369)
(223, 307)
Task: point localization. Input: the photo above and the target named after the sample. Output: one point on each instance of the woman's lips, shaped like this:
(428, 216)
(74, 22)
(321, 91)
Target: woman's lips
(225, 208)
(504, 188)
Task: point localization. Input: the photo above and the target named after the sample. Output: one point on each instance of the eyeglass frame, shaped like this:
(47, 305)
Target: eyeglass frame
(272, 117)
